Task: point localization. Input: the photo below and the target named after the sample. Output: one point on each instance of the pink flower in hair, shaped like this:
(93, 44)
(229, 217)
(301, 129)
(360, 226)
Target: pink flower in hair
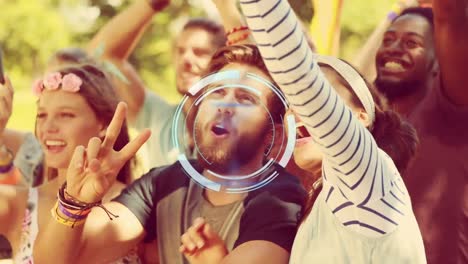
(52, 81)
(37, 87)
(71, 83)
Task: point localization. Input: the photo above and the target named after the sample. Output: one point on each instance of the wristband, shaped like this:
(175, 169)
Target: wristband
(72, 205)
(80, 215)
(66, 222)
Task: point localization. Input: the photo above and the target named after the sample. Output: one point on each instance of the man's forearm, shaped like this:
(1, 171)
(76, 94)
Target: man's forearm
(229, 13)
(123, 32)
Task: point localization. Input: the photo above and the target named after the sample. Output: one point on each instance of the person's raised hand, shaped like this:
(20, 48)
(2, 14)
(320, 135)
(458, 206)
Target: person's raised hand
(6, 103)
(202, 245)
(93, 170)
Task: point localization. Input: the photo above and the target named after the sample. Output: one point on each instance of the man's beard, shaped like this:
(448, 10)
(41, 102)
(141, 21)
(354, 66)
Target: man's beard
(394, 91)
(228, 155)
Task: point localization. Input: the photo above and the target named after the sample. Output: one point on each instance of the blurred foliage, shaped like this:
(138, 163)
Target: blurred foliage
(359, 19)
(31, 30)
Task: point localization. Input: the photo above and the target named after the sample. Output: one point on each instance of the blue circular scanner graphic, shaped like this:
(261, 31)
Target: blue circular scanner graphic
(231, 79)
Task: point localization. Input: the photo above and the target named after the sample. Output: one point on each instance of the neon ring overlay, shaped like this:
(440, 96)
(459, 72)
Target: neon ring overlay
(232, 183)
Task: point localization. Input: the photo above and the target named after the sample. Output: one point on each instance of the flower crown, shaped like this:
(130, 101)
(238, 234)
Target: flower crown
(52, 81)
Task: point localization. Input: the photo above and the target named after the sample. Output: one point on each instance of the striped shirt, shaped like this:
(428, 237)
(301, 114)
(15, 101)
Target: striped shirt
(362, 186)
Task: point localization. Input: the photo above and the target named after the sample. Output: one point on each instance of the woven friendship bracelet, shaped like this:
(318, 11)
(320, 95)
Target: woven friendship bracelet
(77, 207)
(71, 202)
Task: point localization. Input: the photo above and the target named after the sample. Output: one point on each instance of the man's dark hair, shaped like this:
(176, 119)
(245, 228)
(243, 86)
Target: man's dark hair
(250, 55)
(210, 26)
(425, 12)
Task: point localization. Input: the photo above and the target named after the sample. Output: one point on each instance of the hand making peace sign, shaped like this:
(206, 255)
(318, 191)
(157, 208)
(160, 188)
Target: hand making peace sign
(93, 170)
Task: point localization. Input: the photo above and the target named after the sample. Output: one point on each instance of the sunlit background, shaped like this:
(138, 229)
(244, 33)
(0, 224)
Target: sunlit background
(31, 30)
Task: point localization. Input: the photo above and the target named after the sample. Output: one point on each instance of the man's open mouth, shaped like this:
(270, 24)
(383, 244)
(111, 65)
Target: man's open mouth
(219, 129)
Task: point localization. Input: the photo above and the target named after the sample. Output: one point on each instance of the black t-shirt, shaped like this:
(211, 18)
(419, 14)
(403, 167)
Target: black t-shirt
(270, 213)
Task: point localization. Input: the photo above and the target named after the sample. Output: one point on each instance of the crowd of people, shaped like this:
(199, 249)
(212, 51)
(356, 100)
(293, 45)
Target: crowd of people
(378, 169)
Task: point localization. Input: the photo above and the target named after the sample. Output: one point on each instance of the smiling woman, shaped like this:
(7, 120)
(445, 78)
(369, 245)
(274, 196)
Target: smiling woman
(75, 104)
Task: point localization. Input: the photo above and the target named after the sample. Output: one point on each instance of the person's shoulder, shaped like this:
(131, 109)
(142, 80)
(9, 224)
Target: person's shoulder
(167, 177)
(163, 172)
(154, 185)
(285, 188)
(284, 181)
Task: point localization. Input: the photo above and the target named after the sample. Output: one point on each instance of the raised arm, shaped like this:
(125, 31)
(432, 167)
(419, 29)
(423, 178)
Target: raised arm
(86, 242)
(231, 18)
(364, 60)
(352, 160)
(123, 32)
(120, 36)
(451, 37)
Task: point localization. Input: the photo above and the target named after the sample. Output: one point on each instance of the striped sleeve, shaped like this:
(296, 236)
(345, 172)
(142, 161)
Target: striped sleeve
(352, 159)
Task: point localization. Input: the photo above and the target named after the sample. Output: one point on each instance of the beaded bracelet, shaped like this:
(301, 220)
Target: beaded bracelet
(236, 29)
